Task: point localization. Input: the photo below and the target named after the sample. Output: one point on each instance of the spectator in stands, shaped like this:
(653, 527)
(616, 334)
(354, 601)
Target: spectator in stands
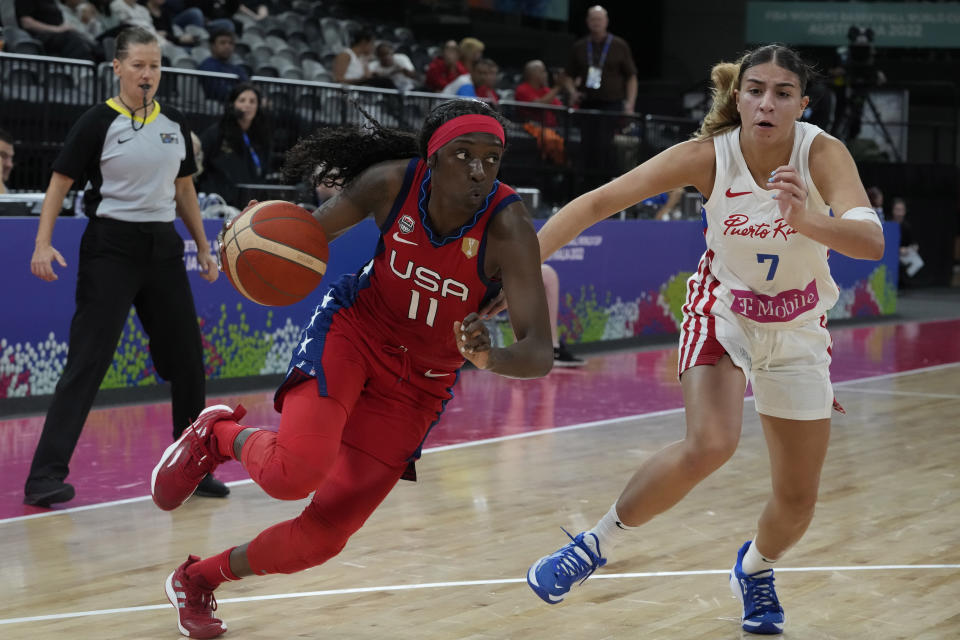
(396, 67)
(876, 200)
(323, 192)
(352, 65)
(445, 68)
(661, 206)
(128, 13)
(6, 158)
(44, 21)
(162, 18)
(910, 260)
(471, 50)
(603, 73)
(256, 10)
(483, 79)
(218, 14)
(184, 16)
(534, 89)
(541, 123)
(84, 18)
(601, 67)
(222, 44)
(237, 148)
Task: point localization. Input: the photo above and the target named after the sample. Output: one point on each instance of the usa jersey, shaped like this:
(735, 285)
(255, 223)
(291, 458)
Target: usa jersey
(755, 263)
(421, 282)
(418, 283)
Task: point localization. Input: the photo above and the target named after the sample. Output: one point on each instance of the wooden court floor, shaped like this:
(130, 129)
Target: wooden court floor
(445, 558)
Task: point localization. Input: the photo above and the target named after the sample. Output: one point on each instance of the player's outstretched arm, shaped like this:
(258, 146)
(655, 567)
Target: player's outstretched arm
(685, 164)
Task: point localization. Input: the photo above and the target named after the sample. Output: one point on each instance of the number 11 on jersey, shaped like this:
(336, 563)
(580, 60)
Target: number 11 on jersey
(414, 309)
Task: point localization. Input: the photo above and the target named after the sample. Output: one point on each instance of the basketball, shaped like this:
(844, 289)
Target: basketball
(274, 253)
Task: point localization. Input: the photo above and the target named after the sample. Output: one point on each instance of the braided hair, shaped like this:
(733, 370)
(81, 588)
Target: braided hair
(335, 156)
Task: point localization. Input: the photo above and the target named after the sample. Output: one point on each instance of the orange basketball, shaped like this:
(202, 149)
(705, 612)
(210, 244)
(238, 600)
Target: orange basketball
(274, 253)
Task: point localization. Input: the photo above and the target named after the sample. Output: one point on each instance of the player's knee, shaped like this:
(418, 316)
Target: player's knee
(293, 485)
(707, 454)
(797, 505)
(292, 478)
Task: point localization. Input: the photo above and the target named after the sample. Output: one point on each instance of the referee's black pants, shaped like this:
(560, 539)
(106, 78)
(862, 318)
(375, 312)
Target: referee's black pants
(123, 263)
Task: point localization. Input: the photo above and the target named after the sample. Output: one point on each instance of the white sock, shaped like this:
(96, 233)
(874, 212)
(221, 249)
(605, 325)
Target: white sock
(754, 561)
(609, 532)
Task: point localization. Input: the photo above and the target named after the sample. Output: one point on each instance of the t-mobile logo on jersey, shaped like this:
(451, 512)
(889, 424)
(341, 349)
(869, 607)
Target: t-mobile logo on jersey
(784, 306)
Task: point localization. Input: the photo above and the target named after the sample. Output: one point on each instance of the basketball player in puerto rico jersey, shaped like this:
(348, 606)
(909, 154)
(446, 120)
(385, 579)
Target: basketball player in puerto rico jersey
(379, 356)
(755, 310)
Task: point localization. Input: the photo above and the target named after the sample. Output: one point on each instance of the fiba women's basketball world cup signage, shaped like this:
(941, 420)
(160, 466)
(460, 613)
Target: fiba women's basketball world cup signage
(912, 24)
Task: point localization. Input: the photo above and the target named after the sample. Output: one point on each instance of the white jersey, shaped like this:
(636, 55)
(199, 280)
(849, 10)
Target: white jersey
(755, 263)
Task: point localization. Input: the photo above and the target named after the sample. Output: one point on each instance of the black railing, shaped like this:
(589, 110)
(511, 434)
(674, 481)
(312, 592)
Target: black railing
(559, 151)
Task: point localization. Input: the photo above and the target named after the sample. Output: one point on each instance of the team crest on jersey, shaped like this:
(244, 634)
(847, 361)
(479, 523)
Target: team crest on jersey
(169, 138)
(469, 247)
(406, 224)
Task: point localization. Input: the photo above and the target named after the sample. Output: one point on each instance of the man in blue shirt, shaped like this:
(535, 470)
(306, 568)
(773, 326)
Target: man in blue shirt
(221, 50)
(483, 79)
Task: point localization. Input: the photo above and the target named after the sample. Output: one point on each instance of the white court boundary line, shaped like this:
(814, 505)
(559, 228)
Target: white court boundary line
(517, 436)
(469, 583)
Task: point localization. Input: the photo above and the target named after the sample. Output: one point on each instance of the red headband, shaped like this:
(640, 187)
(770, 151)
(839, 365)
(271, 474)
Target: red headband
(462, 125)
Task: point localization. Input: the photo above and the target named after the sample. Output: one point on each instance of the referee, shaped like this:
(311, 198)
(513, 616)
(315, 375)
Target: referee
(139, 161)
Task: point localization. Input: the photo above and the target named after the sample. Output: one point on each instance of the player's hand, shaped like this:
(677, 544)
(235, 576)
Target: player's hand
(790, 194)
(473, 340)
(496, 304)
(41, 264)
(209, 268)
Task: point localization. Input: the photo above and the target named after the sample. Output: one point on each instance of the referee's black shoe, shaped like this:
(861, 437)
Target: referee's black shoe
(210, 487)
(47, 491)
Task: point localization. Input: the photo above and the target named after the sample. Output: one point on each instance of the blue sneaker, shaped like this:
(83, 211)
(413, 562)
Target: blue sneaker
(552, 576)
(762, 612)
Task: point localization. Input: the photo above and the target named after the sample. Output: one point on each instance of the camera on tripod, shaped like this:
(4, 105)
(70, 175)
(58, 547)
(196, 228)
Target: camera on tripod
(860, 68)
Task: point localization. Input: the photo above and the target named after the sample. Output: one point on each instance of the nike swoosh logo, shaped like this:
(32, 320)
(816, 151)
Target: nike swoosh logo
(430, 374)
(396, 236)
(119, 141)
(732, 194)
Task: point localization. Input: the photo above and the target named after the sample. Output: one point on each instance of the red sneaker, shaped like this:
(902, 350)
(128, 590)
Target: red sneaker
(195, 605)
(188, 460)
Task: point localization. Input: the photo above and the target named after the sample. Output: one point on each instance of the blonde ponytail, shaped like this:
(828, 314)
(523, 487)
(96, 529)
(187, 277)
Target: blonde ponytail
(723, 114)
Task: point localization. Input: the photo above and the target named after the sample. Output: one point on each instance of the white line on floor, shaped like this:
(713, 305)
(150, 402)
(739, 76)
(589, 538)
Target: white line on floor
(515, 436)
(474, 583)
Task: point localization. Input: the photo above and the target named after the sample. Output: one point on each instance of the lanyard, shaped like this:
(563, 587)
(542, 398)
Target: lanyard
(253, 153)
(603, 54)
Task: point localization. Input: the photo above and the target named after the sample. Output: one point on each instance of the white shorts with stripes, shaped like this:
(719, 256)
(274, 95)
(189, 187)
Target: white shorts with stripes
(788, 368)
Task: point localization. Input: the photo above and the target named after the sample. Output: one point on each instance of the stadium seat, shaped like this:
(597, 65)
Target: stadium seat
(267, 70)
(403, 35)
(332, 35)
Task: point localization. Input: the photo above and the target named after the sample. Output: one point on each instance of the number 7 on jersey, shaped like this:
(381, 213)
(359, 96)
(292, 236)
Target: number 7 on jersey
(774, 261)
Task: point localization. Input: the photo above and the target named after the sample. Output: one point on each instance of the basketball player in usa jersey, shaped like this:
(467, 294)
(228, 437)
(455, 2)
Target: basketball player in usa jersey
(378, 358)
(755, 310)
